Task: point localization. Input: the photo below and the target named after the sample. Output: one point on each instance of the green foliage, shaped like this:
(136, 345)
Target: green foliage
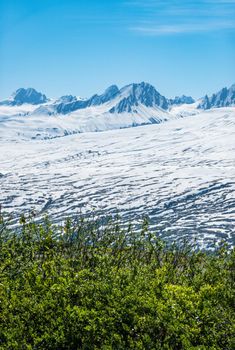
(85, 285)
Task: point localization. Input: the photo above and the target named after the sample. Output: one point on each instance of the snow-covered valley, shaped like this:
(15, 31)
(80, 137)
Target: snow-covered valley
(180, 173)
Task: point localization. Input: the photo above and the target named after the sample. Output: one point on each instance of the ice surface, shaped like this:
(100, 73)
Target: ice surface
(180, 173)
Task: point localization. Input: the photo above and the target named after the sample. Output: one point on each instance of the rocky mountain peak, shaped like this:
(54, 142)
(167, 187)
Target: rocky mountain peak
(29, 95)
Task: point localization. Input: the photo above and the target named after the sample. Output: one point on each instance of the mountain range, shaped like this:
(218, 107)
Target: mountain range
(129, 96)
(223, 98)
(132, 105)
(180, 173)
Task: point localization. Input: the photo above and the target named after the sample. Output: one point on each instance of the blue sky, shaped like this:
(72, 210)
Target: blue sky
(83, 46)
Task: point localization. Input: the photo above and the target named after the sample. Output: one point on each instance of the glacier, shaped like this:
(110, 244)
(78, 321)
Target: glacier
(181, 173)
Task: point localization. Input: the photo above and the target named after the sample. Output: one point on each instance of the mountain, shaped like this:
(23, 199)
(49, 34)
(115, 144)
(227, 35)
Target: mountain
(125, 100)
(116, 108)
(68, 103)
(179, 100)
(176, 170)
(128, 99)
(134, 94)
(132, 105)
(66, 99)
(109, 94)
(21, 96)
(223, 98)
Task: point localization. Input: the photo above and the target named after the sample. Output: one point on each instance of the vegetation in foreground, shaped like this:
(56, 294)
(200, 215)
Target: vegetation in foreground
(88, 286)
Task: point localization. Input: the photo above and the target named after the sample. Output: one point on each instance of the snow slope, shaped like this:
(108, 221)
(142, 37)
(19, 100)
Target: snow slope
(132, 105)
(180, 173)
(98, 118)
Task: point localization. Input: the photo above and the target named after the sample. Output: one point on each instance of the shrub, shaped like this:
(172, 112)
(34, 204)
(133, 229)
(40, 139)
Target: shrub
(85, 285)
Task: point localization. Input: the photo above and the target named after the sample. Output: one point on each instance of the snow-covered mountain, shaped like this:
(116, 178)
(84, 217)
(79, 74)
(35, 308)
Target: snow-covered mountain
(22, 96)
(180, 173)
(133, 95)
(132, 105)
(223, 98)
(127, 99)
(179, 100)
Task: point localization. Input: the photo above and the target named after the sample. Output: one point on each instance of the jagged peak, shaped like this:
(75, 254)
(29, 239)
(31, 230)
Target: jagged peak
(27, 95)
(178, 100)
(27, 91)
(139, 93)
(137, 86)
(113, 89)
(223, 98)
(66, 99)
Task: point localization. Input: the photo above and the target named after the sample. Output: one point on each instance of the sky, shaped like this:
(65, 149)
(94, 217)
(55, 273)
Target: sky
(81, 47)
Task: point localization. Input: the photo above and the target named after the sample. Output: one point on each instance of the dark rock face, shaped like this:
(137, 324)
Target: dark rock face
(205, 104)
(108, 95)
(127, 99)
(66, 99)
(95, 100)
(133, 95)
(30, 95)
(223, 98)
(179, 100)
(22, 96)
(136, 94)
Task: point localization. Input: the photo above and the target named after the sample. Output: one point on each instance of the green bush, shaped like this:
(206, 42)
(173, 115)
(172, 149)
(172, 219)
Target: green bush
(85, 285)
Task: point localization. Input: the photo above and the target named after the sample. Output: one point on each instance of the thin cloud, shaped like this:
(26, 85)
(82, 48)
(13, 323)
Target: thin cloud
(221, 1)
(174, 17)
(200, 5)
(158, 30)
(158, 3)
